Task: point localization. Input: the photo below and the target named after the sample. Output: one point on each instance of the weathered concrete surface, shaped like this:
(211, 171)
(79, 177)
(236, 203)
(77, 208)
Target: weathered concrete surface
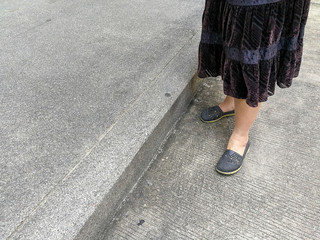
(276, 195)
(83, 86)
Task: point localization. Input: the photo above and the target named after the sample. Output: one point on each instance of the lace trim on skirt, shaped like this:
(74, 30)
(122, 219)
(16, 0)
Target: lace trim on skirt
(254, 56)
(251, 2)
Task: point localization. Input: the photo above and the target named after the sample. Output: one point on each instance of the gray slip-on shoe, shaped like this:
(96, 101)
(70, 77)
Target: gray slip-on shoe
(231, 162)
(213, 114)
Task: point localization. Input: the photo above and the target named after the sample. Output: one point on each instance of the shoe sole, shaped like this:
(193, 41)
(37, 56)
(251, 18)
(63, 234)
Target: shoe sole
(212, 121)
(231, 173)
(228, 173)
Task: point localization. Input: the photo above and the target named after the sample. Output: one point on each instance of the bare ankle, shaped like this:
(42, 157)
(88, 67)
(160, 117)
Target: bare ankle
(238, 142)
(226, 106)
(240, 136)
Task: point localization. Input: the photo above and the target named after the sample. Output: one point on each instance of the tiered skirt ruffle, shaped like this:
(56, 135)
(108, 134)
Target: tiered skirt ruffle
(253, 45)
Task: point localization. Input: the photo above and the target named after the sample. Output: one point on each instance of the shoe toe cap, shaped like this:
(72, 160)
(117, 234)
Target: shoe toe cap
(227, 167)
(229, 162)
(210, 114)
(205, 115)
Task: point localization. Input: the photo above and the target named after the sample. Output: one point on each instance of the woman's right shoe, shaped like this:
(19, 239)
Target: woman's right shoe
(213, 114)
(231, 161)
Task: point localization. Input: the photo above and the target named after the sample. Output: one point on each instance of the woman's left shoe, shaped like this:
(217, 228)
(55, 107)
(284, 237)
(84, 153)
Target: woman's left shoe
(214, 114)
(231, 162)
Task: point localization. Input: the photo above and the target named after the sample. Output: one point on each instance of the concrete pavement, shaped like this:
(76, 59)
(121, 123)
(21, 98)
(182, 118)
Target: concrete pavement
(276, 195)
(88, 91)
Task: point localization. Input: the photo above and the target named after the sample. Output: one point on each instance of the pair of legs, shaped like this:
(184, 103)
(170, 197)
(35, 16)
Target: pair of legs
(244, 118)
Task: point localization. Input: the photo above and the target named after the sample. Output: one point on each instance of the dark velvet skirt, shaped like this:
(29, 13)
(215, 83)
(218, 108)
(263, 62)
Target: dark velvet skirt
(253, 44)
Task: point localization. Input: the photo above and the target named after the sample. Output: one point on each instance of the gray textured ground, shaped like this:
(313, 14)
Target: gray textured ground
(276, 195)
(76, 77)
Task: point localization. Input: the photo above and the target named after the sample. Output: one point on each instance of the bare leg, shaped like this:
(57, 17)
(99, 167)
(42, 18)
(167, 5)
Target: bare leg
(244, 118)
(227, 104)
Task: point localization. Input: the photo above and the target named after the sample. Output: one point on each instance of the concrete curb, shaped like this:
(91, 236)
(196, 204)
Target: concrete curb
(83, 205)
